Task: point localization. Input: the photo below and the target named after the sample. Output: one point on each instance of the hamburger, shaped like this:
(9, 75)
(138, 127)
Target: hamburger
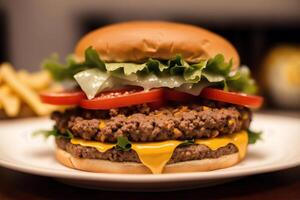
(152, 97)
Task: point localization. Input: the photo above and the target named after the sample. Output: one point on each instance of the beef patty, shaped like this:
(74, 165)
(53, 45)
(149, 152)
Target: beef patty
(180, 154)
(142, 124)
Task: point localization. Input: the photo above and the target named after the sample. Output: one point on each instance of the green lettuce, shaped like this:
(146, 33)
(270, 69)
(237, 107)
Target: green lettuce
(153, 73)
(67, 71)
(253, 136)
(54, 132)
(123, 144)
(242, 82)
(187, 143)
(127, 68)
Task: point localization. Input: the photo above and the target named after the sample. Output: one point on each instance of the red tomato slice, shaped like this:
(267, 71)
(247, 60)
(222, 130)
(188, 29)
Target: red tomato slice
(62, 98)
(116, 99)
(156, 105)
(174, 95)
(232, 97)
(155, 98)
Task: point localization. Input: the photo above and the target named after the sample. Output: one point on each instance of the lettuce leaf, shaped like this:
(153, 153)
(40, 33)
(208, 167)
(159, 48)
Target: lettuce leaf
(243, 82)
(217, 69)
(193, 89)
(253, 136)
(123, 144)
(60, 71)
(218, 66)
(187, 143)
(173, 73)
(67, 71)
(54, 132)
(193, 73)
(92, 59)
(155, 66)
(127, 68)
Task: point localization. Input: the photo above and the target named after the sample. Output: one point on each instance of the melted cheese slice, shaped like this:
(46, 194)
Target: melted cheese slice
(155, 155)
(240, 140)
(102, 147)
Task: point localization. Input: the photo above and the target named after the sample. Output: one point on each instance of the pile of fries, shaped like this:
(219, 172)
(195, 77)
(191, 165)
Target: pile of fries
(19, 89)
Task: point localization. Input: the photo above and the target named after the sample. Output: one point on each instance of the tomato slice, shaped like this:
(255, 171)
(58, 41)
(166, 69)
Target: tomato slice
(122, 98)
(174, 95)
(158, 104)
(155, 98)
(62, 98)
(232, 97)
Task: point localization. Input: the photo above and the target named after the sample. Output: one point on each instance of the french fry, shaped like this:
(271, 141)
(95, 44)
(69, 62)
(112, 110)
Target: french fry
(1, 105)
(37, 80)
(5, 89)
(27, 94)
(10, 102)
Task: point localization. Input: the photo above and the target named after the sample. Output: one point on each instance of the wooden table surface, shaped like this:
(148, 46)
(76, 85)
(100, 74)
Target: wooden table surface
(278, 185)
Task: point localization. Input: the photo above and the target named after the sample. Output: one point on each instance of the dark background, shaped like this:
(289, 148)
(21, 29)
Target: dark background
(3, 37)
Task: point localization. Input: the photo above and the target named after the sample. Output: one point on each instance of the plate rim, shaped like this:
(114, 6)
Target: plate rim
(134, 178)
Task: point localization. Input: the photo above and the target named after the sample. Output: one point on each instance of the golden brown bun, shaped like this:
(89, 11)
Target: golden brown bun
(104, 166)
(139, 40)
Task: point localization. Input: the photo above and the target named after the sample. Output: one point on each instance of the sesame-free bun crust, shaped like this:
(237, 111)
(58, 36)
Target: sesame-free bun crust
(105, 166)
(137, 41)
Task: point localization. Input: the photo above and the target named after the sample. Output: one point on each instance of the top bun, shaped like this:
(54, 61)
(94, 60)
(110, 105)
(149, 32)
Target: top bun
(137, 41)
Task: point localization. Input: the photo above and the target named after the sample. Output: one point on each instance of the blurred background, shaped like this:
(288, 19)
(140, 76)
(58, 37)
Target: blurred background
(265, 32)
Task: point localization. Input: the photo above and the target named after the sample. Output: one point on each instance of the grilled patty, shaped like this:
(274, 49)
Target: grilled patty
(207, 119)
(180, 154)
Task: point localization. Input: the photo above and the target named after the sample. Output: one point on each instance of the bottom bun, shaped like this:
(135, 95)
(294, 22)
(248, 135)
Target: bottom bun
(105, 166)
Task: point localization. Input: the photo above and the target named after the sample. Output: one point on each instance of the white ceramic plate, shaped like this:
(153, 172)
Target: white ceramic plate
(278, 150)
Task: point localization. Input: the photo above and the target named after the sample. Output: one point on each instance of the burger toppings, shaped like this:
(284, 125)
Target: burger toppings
(232, 97)
(62, 98)
(122, 99)
(94, 75)
(128, 97)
